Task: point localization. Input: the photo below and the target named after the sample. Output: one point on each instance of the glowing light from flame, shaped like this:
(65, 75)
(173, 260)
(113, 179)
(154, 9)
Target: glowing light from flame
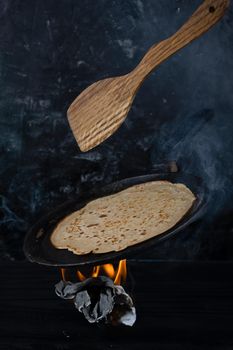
(95, 272)
(117, 275)
(121, 272)
(63, 271)
(80, 276)
(109, 270)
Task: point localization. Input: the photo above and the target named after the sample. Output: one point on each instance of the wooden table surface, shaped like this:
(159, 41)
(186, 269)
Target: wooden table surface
(180, 305)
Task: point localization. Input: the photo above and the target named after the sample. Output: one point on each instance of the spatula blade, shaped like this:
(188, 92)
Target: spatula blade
(99, 110)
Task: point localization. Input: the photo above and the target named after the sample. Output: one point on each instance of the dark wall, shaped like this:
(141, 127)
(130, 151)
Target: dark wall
(51, 50)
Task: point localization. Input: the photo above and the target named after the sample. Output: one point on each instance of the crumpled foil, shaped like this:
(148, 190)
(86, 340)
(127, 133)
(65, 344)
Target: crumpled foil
(99, 299)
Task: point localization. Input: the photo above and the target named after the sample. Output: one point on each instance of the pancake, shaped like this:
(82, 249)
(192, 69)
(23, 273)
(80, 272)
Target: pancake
(123, 219)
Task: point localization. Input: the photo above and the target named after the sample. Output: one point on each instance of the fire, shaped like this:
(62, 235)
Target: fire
(109, 270)
(95, 273)
(63, 272)
(80, 276)
(121, 272)
(118, 275)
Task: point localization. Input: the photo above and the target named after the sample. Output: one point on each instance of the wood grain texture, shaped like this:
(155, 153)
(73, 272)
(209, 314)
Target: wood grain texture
(101, 108)
(182, 305)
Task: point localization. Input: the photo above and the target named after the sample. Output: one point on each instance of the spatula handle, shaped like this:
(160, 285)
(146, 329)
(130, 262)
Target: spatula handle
(207, 14)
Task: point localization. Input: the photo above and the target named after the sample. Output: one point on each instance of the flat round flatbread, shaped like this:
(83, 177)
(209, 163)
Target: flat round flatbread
(115, 222)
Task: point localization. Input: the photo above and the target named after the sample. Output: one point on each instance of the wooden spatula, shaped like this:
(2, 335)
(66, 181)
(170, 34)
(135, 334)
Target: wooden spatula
(101, 108)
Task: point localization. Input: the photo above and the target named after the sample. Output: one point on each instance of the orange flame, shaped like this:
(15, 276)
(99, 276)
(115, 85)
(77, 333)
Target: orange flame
(80, 276)
(109, 270)
(117, 275)
(121, 272)
(95, 271)
(63, 271)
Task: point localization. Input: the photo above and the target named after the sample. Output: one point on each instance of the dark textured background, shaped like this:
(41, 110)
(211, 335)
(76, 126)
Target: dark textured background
(51, 50)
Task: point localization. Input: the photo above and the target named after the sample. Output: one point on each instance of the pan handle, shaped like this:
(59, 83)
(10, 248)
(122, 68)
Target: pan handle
(165, 168)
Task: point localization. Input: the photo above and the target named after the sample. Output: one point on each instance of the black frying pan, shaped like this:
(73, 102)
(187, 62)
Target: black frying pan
(37, 245)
